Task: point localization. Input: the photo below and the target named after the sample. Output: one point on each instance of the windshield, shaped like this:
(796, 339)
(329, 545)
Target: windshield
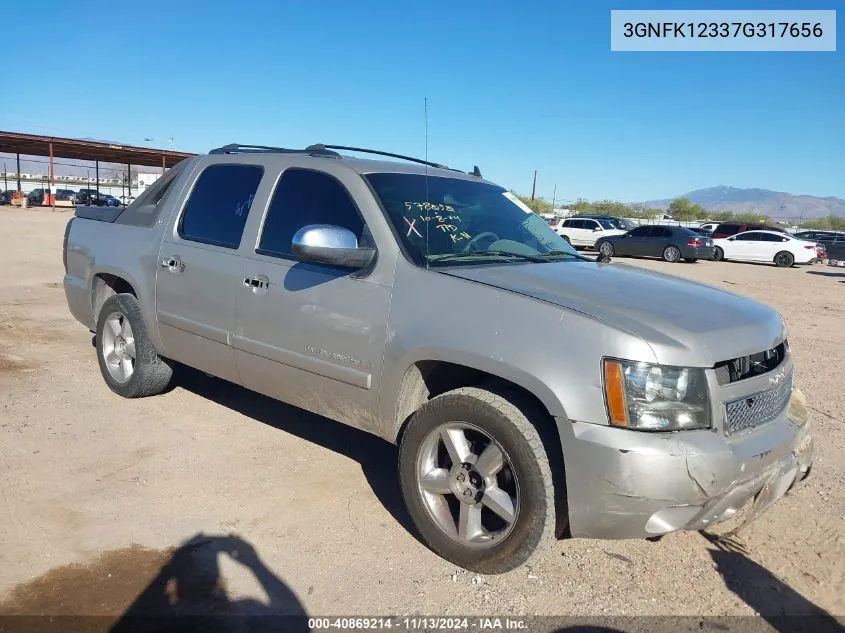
(441, 220)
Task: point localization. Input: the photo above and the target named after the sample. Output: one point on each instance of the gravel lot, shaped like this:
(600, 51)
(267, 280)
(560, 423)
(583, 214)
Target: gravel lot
(94, 489)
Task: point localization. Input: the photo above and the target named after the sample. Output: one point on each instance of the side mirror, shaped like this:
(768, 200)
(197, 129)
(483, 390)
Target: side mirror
(595, 230)
(329, 244)
(731, 239)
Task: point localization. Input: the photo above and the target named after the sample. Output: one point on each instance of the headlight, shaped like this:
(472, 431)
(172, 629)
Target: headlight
(654, 397)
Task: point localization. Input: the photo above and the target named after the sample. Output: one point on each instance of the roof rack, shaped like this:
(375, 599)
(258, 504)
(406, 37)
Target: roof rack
(318, 149)
(239, 148)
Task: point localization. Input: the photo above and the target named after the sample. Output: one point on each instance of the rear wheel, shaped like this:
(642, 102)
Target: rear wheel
(784, 259)
(128, 361)
(671, 254)
(718, 254)
(566, 238)
(476, 480)
(606, 249)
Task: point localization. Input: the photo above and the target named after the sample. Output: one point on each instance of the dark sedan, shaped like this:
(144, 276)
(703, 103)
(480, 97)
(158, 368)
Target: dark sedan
(672, 243)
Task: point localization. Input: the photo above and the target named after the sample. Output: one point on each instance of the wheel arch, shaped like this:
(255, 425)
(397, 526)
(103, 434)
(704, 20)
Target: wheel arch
(105, 284)
(428, 378)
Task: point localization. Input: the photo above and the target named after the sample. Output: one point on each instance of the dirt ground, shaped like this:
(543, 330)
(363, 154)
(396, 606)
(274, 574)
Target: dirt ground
(102, 498)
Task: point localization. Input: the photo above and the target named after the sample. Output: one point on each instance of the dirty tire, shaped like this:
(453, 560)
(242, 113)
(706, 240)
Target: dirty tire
(534, 526)
(152, 373)
(672, 254)
(784, 259)
(718, 255)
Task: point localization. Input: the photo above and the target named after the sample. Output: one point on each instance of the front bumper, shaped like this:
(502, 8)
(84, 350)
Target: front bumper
(631, 484)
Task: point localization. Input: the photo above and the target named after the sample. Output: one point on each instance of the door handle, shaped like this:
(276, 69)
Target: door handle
(258, 284)
(173, 264)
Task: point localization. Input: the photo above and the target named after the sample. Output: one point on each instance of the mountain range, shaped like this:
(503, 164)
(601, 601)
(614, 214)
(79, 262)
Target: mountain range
(774, 204)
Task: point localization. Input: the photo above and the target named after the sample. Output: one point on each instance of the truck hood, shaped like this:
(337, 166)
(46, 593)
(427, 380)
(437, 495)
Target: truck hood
(685, 322)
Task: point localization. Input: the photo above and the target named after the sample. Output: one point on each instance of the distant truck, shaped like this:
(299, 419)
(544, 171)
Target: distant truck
(533, 392)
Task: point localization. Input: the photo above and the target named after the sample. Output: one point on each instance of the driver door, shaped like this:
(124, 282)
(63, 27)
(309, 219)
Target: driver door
(309, 334)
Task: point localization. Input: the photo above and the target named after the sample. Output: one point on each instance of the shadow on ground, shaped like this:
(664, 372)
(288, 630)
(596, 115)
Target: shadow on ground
(187, 593)
(824, 273)
(377, 457)
(783, 608)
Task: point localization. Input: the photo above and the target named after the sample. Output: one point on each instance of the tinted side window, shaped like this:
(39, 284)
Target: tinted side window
(640, 231)
(590, 224)
(218, 207)
(729, 229)
(570, 224)
(305, 197)
(768, 237)
(749, 237)
(661, 231)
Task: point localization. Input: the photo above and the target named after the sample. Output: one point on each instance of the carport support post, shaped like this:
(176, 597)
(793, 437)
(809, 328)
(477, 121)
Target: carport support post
(18, 156)
(52, 193)
(128, 180)
(97, 176)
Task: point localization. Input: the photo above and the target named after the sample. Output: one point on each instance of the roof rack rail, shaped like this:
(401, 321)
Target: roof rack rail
(239, 148)
(318, 149)
(364, 150)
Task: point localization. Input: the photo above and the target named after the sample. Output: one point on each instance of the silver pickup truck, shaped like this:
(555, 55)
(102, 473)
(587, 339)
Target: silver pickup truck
(534, 393)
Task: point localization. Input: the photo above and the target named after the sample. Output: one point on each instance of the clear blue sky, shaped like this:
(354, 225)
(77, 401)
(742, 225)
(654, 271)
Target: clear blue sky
(511, 87)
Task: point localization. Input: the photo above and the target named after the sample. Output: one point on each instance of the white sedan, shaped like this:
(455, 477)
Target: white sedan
(766, 246)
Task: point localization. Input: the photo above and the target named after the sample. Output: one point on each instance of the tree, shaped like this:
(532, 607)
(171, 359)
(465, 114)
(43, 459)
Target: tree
(721, 216)
(751, 217)
(685, 211)
(537, 205)
(830, 223)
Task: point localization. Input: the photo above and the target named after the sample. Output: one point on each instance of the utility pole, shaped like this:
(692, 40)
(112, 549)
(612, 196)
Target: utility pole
(534, 186)
(554, 197)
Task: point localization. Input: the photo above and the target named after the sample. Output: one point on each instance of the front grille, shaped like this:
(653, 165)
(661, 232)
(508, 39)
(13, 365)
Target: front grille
(753, 411)
(729, 371)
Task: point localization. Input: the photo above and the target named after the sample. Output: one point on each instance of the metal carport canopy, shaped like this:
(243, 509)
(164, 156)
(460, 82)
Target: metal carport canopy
(36, 145)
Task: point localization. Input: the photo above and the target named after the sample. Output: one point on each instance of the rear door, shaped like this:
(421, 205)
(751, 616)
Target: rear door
(658, 239)
(199, 269)
(771, 244)
(589, 232)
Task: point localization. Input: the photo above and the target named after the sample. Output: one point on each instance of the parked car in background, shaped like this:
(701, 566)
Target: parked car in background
(35, 197)
(726, 229)
(6, 196)
(672, 243)
(585, 232)
(709, 227)
(110, 201)
(766, 246)
(623, 224)
(300, 274)
(702, 231)
(90, 197)
(127, 200)
(833, 242)
(67, 196)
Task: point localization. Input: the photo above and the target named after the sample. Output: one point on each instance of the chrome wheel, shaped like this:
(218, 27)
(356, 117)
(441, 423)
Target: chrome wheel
(118, 347)
(671, 254)
(467, 485)
(606, 249)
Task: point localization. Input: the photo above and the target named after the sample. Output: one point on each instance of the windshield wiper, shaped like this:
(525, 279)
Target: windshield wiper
(494, 253)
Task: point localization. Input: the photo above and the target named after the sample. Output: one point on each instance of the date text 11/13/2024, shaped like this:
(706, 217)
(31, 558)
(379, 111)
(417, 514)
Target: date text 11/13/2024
(418, 623)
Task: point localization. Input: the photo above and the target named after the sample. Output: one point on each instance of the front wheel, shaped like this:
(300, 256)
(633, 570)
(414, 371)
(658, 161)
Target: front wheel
(606, 249)
(784, 259)
(566, 238)
(476, 480)
(671, 254)
(128, 361)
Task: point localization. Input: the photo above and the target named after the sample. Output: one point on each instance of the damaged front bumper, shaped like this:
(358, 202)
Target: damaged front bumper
(630, 484)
